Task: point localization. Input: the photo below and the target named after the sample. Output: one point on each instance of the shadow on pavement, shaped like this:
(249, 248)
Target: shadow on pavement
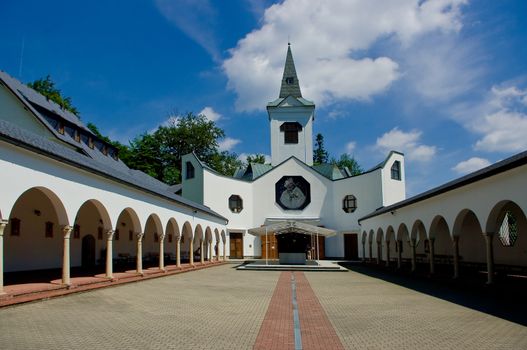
(505, 299)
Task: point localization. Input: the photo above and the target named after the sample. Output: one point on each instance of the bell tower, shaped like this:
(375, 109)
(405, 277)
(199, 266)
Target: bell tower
(291, 119)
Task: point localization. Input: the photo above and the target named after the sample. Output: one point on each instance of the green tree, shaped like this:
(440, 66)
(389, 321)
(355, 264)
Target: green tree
(256, 159)
(47, 88)
(347, 161)
(225, 162)
(320, 155)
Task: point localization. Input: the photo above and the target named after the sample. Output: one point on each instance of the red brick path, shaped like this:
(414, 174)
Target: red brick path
(276, 331)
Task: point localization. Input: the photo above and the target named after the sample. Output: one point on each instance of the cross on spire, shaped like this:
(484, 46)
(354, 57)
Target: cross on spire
(290, 85)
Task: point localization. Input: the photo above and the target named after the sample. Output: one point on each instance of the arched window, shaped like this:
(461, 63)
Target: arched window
(508, 232)
(349, 203)
(290, 130)
(235, 203)
(396, 170)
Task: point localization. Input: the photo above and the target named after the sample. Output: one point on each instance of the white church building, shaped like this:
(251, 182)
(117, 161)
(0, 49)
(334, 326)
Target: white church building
(68, 201)
(291, 191)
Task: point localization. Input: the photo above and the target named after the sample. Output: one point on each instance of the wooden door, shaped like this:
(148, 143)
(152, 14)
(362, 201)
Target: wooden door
(351, 251)
(272, 247)
(236, 245)
(321, 247)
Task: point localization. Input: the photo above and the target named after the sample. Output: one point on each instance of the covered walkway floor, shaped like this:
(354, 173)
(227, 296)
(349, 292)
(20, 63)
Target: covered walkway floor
(35, 285)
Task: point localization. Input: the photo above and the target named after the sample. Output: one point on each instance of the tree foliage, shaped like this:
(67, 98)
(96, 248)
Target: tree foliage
(256, 159)
(320, 155)
(46, 87)
(347, 161)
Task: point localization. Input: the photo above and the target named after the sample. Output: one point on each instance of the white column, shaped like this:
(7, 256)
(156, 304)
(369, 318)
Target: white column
(363, 251)
(178, 251)
(201, 252)
(162, 252)
(66, 231)
(455, 242)
(3, 224)
(399, 253)
(412, 244)
(191, 251)
(371, 250)
(387, 253)
(379, 252)
(490, 257)
(224, 251)
(109, 253)
(139, 252)
(210, 251)
(431, 243)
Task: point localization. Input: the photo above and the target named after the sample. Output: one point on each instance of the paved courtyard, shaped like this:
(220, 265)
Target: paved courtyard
(221, 308)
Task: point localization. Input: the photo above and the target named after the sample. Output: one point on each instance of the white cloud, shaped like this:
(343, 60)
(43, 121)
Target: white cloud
(500, 120)
(327, 38)
(195, 18)
(470, 165)
(228, 144)
(243, 157)
(211, 114)
(406, 142)
(350, 147)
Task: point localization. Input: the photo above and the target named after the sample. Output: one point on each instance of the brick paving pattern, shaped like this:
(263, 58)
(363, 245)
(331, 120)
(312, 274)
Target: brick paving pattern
(276, 332)
(221, 308)
(369, 313)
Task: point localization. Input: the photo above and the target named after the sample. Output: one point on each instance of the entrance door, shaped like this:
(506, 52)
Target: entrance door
(236, 245)
(271, 249)
(351, 251)
(88, 251)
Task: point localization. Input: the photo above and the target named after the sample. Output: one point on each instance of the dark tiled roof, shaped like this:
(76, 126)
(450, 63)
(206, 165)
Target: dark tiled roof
(78, 153)
(290, 85)
(494, 169)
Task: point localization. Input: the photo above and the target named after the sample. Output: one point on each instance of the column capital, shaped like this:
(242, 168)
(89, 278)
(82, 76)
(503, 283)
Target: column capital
(455, 239)
(488, 234)
(413, 242)
(66, 230)
(162, 237)
(3, 224)
(109, 234)
(139, 235)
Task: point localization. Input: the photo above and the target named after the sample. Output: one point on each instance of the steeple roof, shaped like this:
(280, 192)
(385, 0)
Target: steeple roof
(290, 85)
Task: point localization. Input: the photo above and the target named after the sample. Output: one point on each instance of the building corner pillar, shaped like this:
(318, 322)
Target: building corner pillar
(139, 251)
(3, 224)
(162, 252)
(399, 253)
(490, 257)
(431, 243)
(455, 243)
(66, 231)
(178, 251)
(201, 252)
(109, 253)
(413, 244)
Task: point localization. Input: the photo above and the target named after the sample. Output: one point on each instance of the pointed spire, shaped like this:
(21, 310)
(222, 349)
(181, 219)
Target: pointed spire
(290, 84)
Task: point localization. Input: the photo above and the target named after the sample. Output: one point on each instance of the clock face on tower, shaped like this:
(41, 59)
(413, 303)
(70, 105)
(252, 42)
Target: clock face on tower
(292, 193)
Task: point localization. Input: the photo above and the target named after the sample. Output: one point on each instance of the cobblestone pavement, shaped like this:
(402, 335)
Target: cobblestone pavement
(369, 313)
(215, 308)
(221, 308)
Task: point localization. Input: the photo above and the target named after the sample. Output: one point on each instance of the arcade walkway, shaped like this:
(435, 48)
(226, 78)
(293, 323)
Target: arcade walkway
(221, 308)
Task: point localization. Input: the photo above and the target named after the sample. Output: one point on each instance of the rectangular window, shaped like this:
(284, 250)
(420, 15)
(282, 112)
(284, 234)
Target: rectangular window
(116, 234)
(156, 237)
(49, 230)
(99, 233)
(76, 231)
(130, 235)
(60, 128)
(169, 238)
(90, 143)
(77, 136)
(15, 227)
(396, 170)
(189, 170)
(290, 130)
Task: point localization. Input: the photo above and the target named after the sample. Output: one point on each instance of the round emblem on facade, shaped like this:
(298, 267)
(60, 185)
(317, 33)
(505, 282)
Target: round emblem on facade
(293, 193)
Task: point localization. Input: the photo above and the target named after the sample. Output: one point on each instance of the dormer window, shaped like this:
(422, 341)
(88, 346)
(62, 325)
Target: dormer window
(105, 150)
(189, 171)
(77, 136)
(396, 170)
(90, 143)
(290, 130)
(289, 80)
(60, 128)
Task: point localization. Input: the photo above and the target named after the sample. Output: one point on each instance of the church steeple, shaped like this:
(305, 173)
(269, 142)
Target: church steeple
(290, 85)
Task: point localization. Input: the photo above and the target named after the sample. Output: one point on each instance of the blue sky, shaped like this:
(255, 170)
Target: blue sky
(444, 81)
